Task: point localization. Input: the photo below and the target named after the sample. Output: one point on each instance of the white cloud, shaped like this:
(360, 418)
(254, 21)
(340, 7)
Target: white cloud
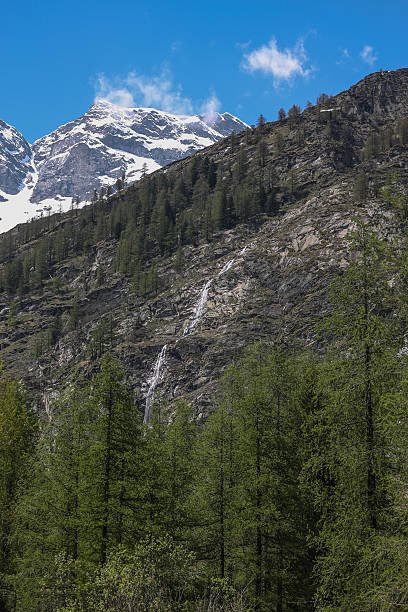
(282, 65)
(210, 107)
(345, 56)
(139, 90)
(243, 45)
(175, 46)
(158, 92)
(107, 91)
(367, 55)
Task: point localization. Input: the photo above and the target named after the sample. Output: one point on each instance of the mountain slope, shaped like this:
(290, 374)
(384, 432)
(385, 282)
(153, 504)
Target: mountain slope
(15, 158)
(92, 152)
(178, 272)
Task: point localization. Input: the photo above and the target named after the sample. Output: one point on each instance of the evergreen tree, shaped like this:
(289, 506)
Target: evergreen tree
(353, 496)
(177, 460)
(112, 462)
(214, 492)
(16, 441)
(268, 505)
(262, 151)
(261, 122)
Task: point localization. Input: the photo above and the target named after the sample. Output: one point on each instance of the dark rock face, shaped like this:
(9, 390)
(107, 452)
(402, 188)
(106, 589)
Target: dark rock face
(381, 95)
(108, 140)
(15, 159)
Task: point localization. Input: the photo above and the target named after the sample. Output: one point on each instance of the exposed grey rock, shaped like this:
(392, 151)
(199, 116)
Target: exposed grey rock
(15, 159)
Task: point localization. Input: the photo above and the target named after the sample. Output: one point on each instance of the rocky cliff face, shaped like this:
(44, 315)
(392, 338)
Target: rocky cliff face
(267, 278)
(15, 160)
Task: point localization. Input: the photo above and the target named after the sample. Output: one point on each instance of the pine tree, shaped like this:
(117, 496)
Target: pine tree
(268, 505)
(177, 460)
(352, 492)
(262, 151)
(214, 492)
(113, 462)
(261, 123)
(16, 442)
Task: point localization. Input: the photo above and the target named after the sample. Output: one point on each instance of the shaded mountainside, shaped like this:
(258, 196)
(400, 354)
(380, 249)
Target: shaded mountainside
(239, 241)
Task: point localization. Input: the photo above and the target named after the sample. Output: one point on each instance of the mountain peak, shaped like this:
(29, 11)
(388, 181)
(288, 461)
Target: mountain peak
(93, 151)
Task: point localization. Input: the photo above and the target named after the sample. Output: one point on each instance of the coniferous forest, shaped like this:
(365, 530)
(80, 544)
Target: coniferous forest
(291, 496)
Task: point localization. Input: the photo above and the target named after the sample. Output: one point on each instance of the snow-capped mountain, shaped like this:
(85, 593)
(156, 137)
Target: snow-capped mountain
(93, 151)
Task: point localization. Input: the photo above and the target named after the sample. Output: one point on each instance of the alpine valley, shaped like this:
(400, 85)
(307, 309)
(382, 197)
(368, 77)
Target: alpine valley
(205, 368)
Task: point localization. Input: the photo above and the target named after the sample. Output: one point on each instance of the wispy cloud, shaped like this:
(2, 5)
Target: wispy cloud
(175, 46)
(344, 57)
(243, 45)
(105, 89)
(140, 90)
(160, 92)
(283, 64)
(210, 107)
(367, 55)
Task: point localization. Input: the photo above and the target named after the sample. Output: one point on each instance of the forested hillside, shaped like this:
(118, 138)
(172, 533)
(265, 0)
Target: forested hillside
(292, 496)
(250, 302)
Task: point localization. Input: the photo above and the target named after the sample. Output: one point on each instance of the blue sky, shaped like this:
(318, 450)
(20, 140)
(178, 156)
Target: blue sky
(246, 57)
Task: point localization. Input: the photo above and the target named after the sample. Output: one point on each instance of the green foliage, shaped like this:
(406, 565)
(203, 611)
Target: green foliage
(16, 442)
(157, 574)
(395, 196)
(352, 447)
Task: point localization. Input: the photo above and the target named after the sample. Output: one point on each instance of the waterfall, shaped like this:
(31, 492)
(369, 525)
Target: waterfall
(227, 266)
(198, 313)
(202, 300)
(153, 382)
(199, 309)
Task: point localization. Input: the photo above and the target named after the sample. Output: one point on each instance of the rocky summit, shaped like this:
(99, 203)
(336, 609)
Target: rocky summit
(92, 152)
(178, 272)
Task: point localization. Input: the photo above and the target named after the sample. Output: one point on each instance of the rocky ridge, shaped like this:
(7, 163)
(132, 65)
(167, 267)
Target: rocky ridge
(109, 140)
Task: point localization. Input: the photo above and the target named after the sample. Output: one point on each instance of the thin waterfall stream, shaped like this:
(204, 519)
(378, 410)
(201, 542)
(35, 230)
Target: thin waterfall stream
(199, 310)
(154, 381)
